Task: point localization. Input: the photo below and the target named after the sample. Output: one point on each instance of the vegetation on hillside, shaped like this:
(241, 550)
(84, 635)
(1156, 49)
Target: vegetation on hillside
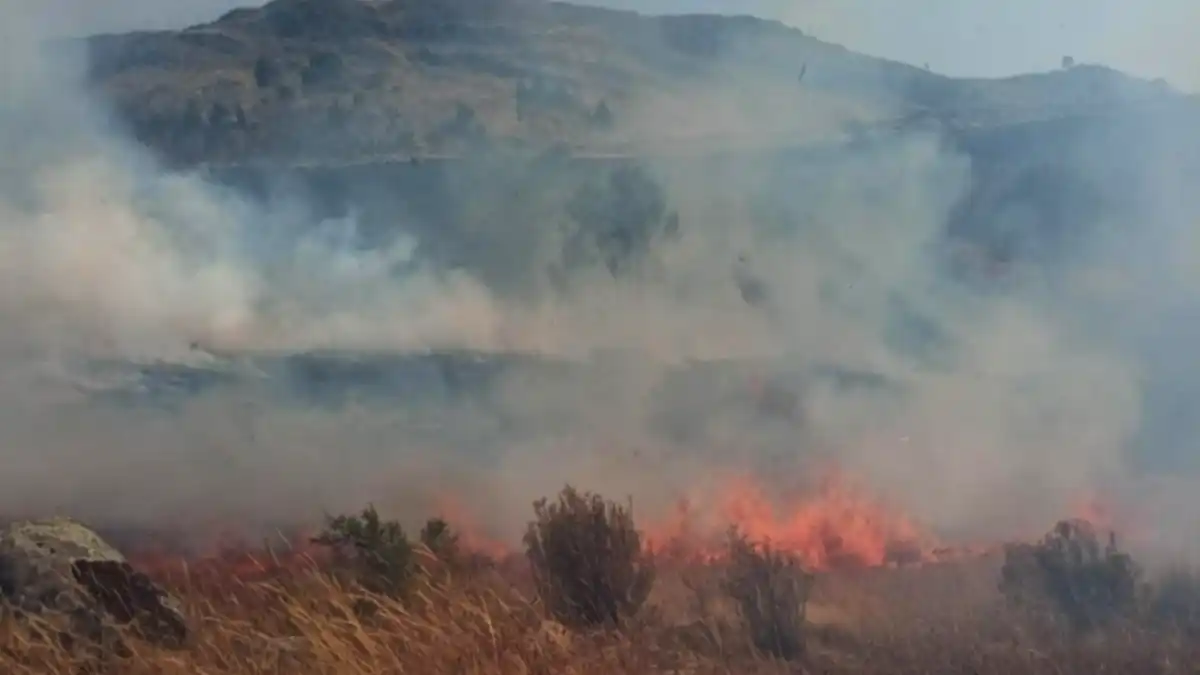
(338, 80)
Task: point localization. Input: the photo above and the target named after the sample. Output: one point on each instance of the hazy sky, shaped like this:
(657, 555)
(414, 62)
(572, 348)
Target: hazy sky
(958, 37)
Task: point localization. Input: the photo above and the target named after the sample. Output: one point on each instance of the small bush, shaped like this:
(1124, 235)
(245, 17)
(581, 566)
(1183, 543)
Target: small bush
(323, 68)
(602, 116)
(440, 539)
(621, 219)
(1072, 574)
(376, 551)
(267, 72)
(1173, 602)
(771, 591)
(587, 559)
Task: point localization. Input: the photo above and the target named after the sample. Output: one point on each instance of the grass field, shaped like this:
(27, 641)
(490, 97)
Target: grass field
(301, 613)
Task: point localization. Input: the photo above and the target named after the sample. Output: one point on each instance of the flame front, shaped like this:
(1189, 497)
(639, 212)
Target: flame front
(835, 526)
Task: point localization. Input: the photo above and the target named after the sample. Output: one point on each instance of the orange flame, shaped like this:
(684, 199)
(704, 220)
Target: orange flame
(1095, 510)
(225, 554)
(1109, 514)
(470, 535)
(836, 526)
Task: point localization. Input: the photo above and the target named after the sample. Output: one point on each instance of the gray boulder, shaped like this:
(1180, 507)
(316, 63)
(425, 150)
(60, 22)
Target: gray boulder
(64, 574)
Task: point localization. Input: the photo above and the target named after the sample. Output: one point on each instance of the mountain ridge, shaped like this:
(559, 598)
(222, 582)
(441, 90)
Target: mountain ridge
(344, 80)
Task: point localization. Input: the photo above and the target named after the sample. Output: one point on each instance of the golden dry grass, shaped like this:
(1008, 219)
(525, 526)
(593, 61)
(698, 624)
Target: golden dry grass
(937, 619)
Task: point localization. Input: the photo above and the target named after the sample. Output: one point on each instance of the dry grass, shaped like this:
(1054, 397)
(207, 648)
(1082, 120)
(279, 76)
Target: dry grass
(937, 619)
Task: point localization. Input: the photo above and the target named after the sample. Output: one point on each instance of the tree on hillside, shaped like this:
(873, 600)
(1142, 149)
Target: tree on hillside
(620, 219)
(267, 72)
(602, 116)
(323, 68)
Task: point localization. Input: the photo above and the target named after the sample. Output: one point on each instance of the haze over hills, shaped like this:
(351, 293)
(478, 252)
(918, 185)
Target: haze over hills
(971, 264)
(336, 80)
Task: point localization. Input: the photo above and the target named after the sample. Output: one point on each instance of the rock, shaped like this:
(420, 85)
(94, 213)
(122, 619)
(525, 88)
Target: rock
(61, 571)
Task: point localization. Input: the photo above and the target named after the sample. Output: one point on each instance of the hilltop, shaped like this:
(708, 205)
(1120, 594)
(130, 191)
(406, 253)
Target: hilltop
(339, 80)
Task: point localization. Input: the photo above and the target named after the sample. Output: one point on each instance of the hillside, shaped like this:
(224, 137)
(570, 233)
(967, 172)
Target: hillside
(338, 80)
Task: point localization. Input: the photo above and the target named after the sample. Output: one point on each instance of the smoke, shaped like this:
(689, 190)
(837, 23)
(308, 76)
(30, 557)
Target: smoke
(992, 411)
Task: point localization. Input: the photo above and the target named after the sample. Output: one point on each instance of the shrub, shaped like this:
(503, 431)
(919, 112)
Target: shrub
(1072, 574)
(1173, 602)
(587, 559)
(620, 220)
(602, 116)
(771, 590)
(440, 539)
(267, 72)
(323, 68)
(377, 551)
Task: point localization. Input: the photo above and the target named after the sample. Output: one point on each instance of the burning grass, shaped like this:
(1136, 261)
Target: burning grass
(837, 525)
(750, 609)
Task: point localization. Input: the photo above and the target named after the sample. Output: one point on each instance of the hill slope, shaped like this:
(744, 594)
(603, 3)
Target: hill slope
(335, 80)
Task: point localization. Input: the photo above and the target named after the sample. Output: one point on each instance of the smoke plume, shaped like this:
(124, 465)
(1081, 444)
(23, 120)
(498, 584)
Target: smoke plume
(1002, 406)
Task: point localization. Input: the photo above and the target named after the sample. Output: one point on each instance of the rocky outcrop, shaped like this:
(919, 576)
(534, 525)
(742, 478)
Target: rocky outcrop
(70, 579)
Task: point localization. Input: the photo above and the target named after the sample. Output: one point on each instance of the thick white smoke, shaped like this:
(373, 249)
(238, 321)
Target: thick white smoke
(1005, 407)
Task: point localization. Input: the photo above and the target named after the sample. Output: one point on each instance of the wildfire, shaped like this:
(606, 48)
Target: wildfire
(1095, 510)
(1109, 514)
(226, 556)
(471, 537)
(836, 526)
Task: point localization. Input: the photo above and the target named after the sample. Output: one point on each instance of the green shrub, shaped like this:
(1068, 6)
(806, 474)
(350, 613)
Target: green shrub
(602, 116)
(587, 559)
(376, 551)
(771, 590)
(441, 540)
(1072, 574)
(621, 219)
(267, 72)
